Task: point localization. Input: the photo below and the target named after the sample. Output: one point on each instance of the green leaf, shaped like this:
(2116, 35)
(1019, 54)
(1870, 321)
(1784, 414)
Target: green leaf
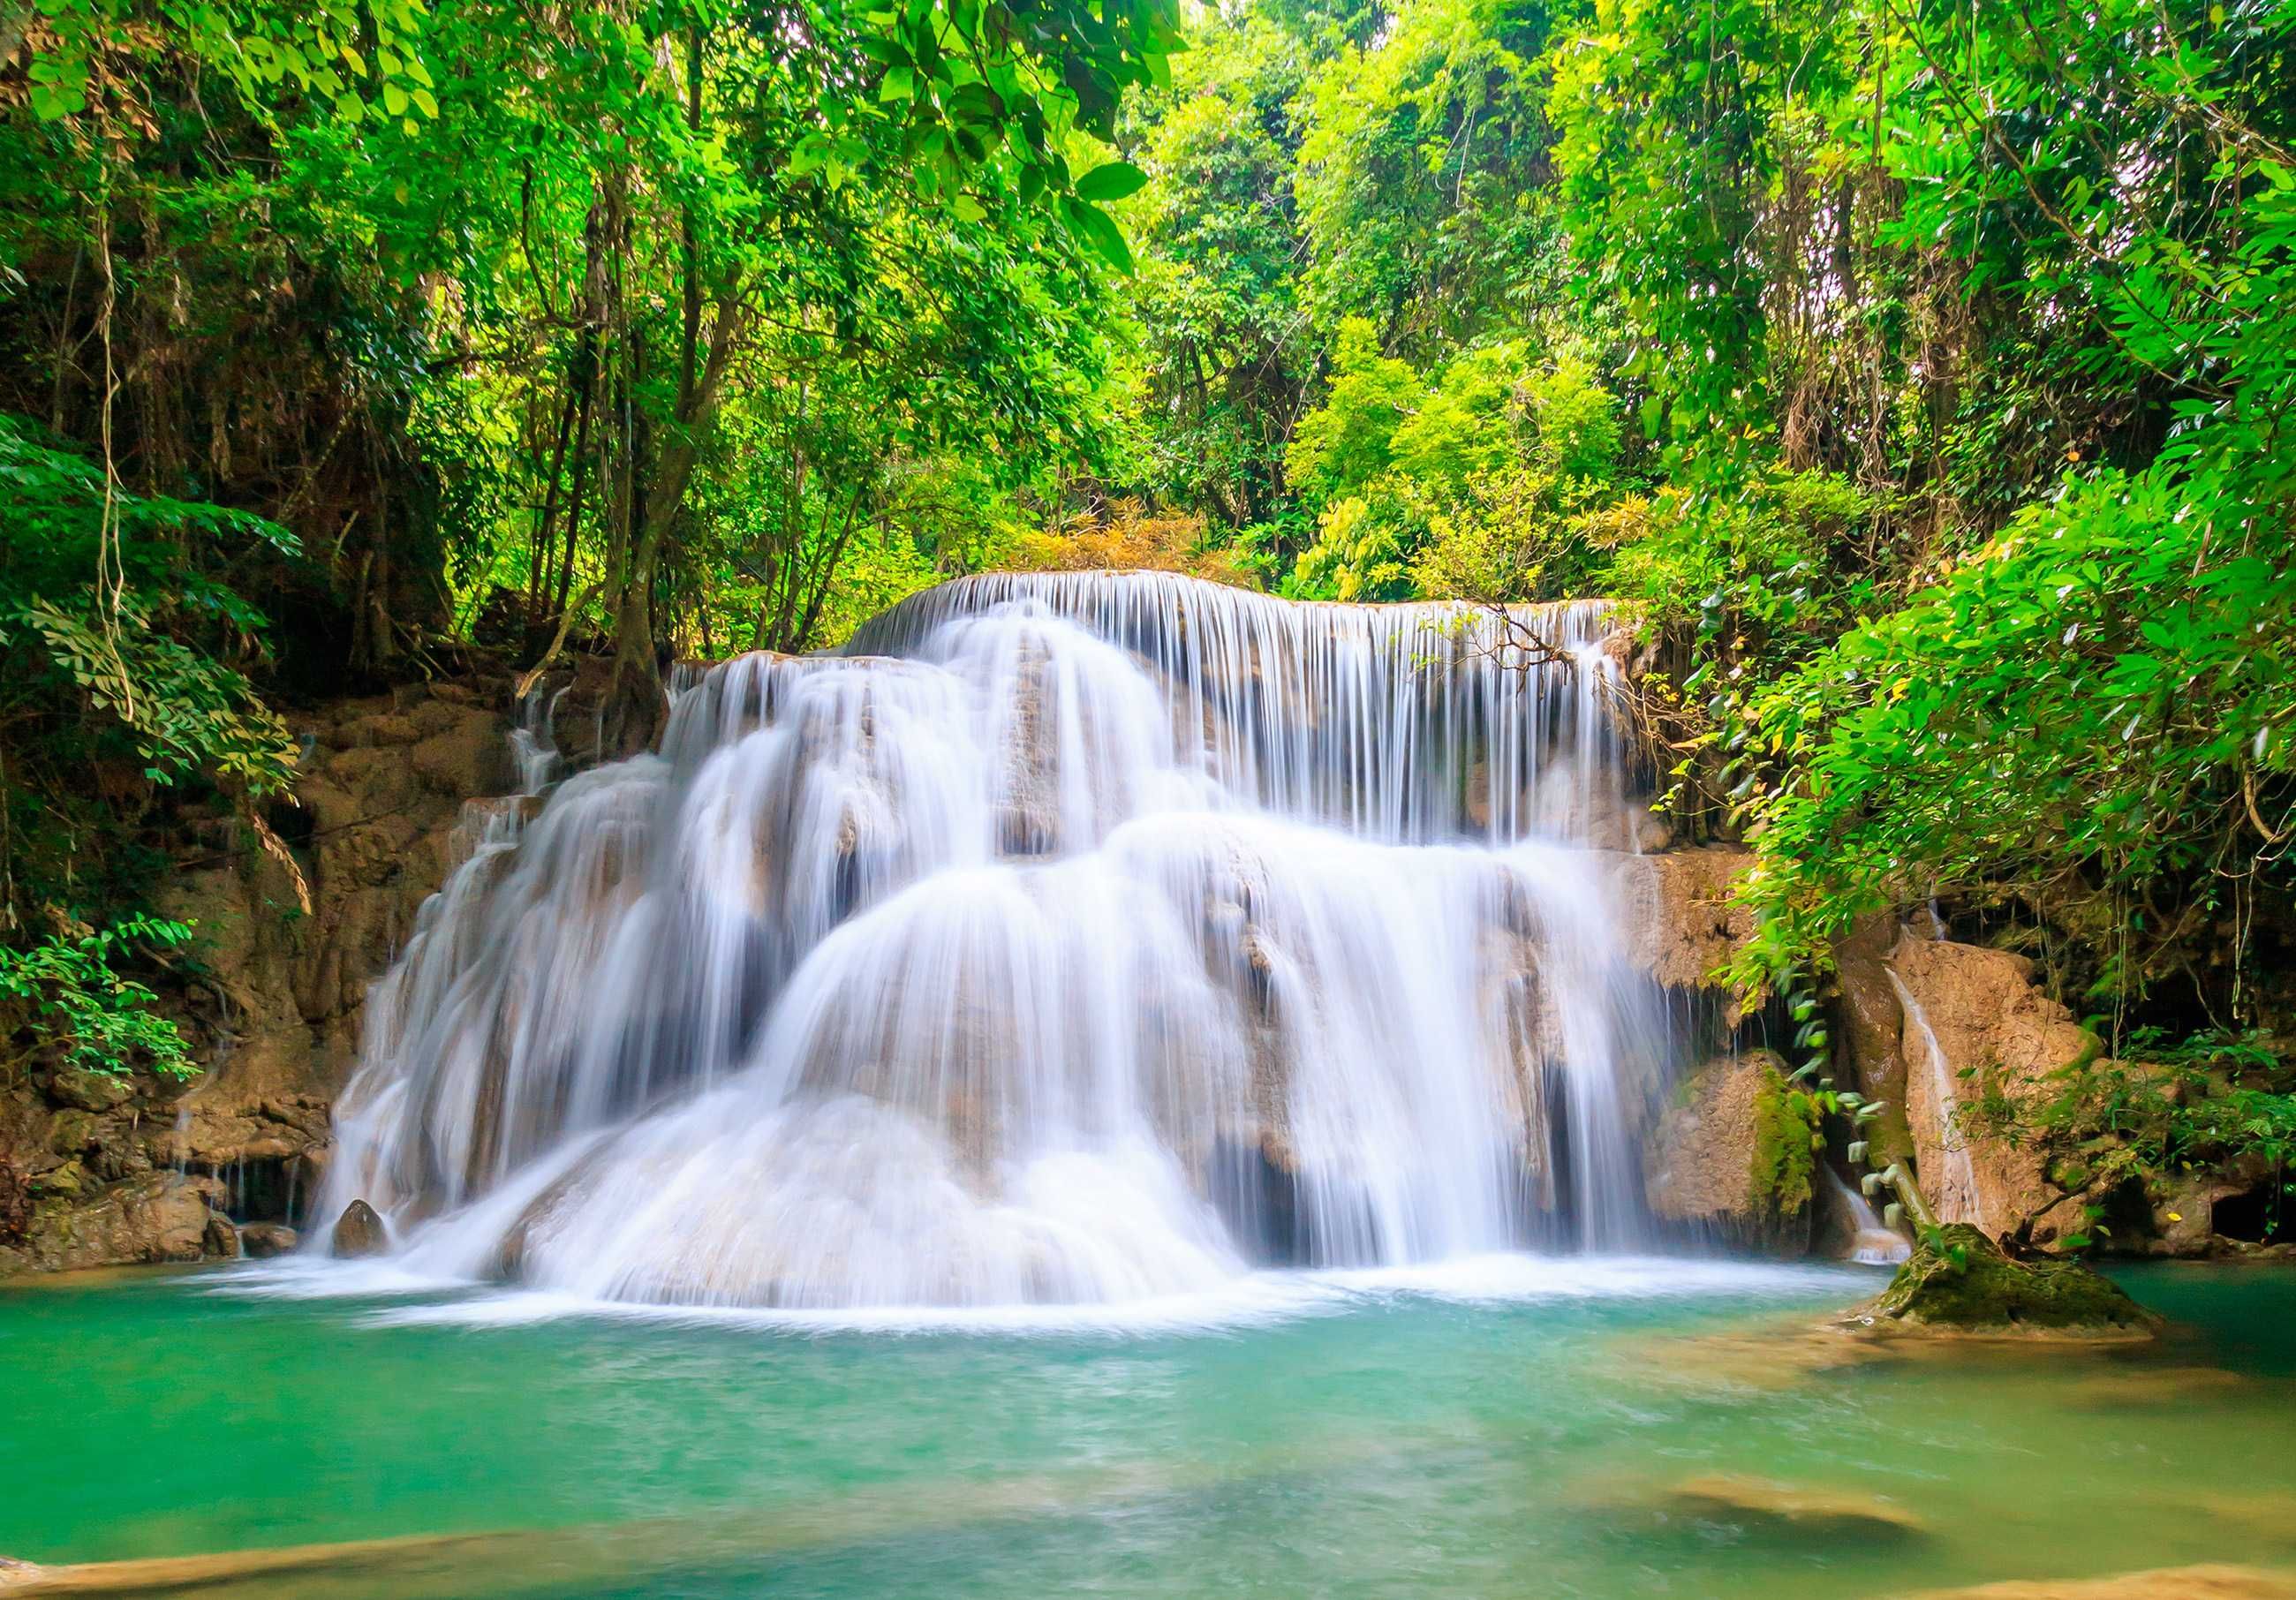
(1097, 229)
(1112, 180)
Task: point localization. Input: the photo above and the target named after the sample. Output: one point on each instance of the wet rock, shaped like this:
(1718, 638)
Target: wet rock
(2211, 1582)
(1975, 1028)
(89, 1091)
(221, 1239)
(74, 1133)
(1680, 921)
(2184, 1217)
(1870, 1024)
(1803, 1508)
(262, 1240)
(389, 728)
(277, 1011)
(159, 1217)
(359, 1231)
(1733, 1156)
(471, 757)
(1959, 1281)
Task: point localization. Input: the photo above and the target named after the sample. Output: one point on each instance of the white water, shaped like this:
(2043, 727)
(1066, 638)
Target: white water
(1095, 939)
(1871, 1242)
(1952, 1193)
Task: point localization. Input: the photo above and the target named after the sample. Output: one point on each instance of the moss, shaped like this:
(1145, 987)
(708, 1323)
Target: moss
(1958, 1279)
(1786, 1141)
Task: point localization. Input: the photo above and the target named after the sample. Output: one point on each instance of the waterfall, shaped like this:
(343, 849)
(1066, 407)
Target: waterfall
(1067, 937)
(1953, 1191)
(1871, 1242)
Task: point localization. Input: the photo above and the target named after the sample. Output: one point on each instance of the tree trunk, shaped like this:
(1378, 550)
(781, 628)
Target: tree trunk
(636, 703)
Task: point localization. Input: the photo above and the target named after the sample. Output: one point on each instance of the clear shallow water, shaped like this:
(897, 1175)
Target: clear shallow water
(1500, 1428)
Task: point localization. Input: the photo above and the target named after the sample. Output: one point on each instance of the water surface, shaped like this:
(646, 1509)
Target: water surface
(1502, 1428)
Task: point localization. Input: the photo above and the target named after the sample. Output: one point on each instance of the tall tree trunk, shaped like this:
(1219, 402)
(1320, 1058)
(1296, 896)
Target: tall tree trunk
(635, 704)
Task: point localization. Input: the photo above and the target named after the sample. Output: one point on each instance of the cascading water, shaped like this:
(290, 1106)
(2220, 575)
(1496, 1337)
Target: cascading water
(1070, 938)
(1953, 1192)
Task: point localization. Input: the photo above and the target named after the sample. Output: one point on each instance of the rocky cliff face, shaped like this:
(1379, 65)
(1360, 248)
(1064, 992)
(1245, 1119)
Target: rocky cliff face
(95, 1171)
(1731, 1161)
(1975, 1029)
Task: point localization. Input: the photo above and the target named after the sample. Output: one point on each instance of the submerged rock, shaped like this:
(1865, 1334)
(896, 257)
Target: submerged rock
(1727, 1496)
(1958, 1281)
(2211, 1582)
(2140, 1386)
(359, 1231)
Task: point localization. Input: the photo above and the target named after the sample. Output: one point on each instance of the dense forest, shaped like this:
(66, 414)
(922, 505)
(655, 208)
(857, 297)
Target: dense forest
(1920, 374)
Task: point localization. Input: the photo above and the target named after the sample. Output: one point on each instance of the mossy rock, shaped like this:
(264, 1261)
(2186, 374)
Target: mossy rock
(1958, 1281)
(1786, 1143)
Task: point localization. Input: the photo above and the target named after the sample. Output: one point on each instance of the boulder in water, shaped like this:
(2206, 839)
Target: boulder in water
(260, 1239)
(1958, 1281)
(359, 1231)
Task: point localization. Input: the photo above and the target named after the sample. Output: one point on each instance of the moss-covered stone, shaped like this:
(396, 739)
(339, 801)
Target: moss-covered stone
(1733, 1160)
(1958, 1280)
(1786, 1142)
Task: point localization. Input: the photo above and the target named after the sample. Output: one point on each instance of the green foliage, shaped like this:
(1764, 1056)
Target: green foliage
(1418, 173)
(354, 61)
(1920, 375)
(1487, 484)
(2172, 1106)
(1787, 1143)
(67, 990)
(125, 650)
(1962, 604)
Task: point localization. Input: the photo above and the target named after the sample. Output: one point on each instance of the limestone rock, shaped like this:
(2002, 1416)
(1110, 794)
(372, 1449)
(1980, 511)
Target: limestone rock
(1727, 1497)
(221, 1239)
(1959, 1281)
(2184, 1217)
(1732, 1157)
(160, 1217)
(2210, 1582)
(108, 1170)
(1975, 1026)
(90, 1091)
(1870, 1024)
(1680, 921)
(359, 1231)
(261, 1240)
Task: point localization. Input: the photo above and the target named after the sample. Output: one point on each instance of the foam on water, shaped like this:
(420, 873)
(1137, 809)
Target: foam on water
(396, 1297)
